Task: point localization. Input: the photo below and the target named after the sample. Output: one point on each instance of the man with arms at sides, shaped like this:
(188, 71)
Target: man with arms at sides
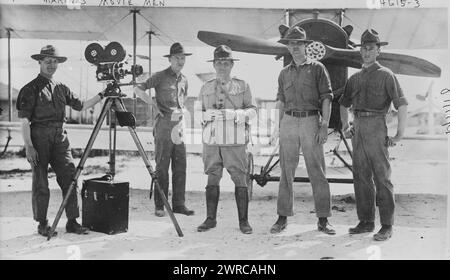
(41, 106)
(370, 93)
(304, 90)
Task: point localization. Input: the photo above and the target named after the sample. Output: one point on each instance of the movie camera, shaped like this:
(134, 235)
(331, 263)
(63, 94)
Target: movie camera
(110, 62)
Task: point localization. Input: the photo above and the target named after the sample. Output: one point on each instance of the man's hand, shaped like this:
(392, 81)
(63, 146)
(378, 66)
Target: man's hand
(392, 141)
(240, 116)
(210, 115)
(32, 155)
(322, 134)
(226, 114)
(141, 79)
(348, 130)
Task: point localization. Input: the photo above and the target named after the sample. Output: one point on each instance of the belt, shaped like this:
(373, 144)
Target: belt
(301, 114)
(368, 114)
(48, 124)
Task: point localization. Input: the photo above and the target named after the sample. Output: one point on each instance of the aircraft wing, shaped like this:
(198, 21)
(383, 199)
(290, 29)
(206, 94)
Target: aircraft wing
(171, 24)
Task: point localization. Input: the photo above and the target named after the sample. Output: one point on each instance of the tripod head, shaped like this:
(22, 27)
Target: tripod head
(113, 90)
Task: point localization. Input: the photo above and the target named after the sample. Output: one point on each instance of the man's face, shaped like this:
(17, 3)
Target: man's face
(177, 62)
(297, 49)
(369, 52)
(223, 67)
(48, 66)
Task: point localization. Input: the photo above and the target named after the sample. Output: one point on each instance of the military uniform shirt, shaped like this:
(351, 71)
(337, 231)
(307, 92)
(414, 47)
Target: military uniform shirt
(43, 100)
(233, 95)
(170, 90)
(304, 87)
(372, 89)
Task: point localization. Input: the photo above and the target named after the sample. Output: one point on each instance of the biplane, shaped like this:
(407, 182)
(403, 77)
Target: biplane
(333, 46)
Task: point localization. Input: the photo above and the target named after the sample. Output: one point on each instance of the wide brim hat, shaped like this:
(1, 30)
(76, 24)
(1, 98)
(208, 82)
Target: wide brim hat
(370, 36)
(295, 34)
(49, 51)
(223, 52)
(175, 49)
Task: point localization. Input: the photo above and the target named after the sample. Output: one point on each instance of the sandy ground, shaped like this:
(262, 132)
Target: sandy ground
(419, 175)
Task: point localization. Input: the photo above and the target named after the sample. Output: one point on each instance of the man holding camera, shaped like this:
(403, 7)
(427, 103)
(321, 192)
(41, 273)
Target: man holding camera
(171, 88)
(41, 109)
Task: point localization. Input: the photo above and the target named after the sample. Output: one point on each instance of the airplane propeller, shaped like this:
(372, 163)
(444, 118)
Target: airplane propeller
(398, 63)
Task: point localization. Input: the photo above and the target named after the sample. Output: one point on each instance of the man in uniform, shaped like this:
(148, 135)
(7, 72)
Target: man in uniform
(304, 89)
(41, 106)
(171, 89)
(370, 93)
(226, 105)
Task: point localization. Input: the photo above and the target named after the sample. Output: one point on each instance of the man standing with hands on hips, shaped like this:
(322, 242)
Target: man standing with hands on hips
(171, 89)
(304, 89)
(370, 93)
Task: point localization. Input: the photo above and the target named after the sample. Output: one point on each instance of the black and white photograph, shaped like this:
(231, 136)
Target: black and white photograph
(199, 130)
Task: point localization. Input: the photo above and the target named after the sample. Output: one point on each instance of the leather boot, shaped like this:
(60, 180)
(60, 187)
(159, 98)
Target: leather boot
(212, 200)
(241, 195)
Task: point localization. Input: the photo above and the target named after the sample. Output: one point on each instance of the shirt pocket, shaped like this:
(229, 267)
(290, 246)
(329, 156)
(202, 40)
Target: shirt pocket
(208, 98)
(289, 91)
(59, 97)
(308, 89)
(376, 95)
(375, 89)
(236, 95)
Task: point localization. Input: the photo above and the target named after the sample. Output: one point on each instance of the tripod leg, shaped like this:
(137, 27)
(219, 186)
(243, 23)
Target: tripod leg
(152, 173)
(80, 166)
(346, 143)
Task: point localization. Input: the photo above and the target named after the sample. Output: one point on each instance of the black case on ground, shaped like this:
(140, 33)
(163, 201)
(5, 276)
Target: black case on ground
(105, 205)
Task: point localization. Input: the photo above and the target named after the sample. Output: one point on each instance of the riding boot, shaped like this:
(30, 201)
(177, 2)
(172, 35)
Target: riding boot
(212, 200)
(241, 195)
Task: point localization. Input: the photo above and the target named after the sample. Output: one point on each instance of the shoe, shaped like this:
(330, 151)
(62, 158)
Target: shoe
(279, 225)
(43, 229)
(159, 212)
(362, 227)
(241, 195)
(73, 226)
(207, 225)
(324, 226)
(212, 200)
(183, 210)
(384, 234)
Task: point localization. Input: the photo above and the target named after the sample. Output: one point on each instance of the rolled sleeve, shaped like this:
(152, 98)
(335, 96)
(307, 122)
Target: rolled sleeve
(395, 92)
(324, 83)
(280, 94)
(346, 98)
(73, 100)
(25, 103)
